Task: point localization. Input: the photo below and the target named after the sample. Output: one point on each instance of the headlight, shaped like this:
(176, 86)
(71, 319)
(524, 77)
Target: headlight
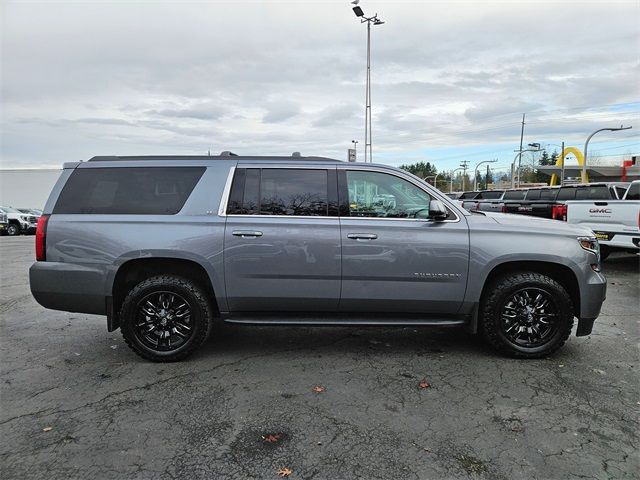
(24, 218)
(590, 244)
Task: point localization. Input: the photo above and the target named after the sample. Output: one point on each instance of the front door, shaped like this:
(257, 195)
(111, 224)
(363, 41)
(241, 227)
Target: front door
(395, 259)
(282, 240)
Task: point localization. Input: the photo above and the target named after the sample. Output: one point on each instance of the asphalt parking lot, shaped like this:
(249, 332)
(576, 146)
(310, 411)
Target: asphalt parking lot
(76, 403)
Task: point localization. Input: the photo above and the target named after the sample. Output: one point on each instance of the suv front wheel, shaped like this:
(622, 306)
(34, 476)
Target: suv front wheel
(526, 315)
(165, 318)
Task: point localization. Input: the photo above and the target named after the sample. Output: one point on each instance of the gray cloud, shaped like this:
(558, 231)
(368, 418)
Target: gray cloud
(82, 79)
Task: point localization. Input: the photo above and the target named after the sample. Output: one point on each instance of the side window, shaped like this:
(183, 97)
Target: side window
(533, 195)
(548, 194)
(567, 193)
(128, 190)
(598, 192)
(374, 194)
(620, 191)
(279, 191)
(634, 191)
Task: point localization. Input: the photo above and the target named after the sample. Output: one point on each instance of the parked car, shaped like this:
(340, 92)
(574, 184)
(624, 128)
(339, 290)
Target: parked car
(548, 202)
(163, 245)
(4, 223)
(487, 198)
(19, 222)
(616, 223)
(30, 211)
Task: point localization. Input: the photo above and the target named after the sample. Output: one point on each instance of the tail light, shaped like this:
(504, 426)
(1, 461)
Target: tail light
(559, 212)
(41, 238)
(503, 209)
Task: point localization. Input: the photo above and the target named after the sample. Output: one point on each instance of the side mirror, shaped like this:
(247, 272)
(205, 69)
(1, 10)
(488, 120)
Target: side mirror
(437, 211)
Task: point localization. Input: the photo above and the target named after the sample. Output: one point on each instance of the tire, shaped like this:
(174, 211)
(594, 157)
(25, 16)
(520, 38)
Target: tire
(526, 315)
(13, 230)
(165, 330)
(605, 251)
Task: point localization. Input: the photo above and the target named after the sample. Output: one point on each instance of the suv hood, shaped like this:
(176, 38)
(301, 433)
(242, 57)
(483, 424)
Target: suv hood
(539, 225)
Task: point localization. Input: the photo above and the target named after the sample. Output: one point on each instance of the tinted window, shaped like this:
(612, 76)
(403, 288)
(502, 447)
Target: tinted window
(533, 195)
(491, 195)
(124, 190)
(634, 191)
(548, 194)
(373, 194)
(468, 195)
(293, 192)
(620, 191)
(567, 193)
(596, 192)
(279, 191)
(514, 195)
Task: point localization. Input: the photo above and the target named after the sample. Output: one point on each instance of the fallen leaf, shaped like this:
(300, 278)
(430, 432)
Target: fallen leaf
(285, 472)
(319, 389)
(423, 384)
(47, 429)
(272, 437)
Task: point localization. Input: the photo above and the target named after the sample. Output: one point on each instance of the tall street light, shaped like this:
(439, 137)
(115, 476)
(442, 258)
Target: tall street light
(586, 144)
(367, 109)
(513, 165)
(451, 185)
(475, 173)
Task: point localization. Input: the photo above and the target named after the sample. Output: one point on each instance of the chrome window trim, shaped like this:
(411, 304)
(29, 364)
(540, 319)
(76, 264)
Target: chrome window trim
(222, 209)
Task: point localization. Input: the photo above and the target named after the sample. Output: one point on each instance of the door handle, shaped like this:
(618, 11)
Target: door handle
(246, 233)
(362, 236)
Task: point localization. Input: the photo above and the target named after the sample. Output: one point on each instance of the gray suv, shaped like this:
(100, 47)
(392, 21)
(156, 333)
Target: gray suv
(164, 245)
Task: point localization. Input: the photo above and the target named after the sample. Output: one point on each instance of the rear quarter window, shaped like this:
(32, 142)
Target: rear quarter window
(125, 190)
(514, 195)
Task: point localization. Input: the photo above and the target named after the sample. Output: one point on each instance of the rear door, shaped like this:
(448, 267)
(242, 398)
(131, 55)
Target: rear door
(394, 259)
(282, 240)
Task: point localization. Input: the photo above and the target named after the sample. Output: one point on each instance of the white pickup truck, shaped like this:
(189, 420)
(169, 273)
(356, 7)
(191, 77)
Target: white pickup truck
(616, 223)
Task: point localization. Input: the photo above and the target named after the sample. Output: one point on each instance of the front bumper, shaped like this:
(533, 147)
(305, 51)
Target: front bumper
(593, 293)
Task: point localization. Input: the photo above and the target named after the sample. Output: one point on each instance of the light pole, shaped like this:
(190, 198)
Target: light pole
(475, 173)
(513, 165)
(355, 149)
(451, 186)
(586, 144)
(367, 109)
(435, 179)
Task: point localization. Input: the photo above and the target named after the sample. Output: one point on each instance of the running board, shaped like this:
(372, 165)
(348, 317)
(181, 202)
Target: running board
(349, 321)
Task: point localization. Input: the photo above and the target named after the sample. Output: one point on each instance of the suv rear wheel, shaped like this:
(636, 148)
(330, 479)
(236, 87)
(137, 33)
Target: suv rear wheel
(165, 318)
(526, 315)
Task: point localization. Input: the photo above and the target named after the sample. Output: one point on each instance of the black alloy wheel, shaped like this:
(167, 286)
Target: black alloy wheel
(526, 314)
(166, 318)
(163, 321)
(529, 317)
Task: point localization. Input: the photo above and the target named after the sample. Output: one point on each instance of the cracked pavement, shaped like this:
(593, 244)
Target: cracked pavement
(114, 415)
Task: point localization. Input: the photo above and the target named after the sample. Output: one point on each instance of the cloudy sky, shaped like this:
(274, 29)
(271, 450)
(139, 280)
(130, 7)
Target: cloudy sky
(450, 79)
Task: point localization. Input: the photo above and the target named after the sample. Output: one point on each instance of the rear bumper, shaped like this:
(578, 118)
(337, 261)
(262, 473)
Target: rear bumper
(68, 287)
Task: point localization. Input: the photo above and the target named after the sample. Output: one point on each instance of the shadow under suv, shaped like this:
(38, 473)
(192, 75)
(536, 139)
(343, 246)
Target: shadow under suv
(162, 245)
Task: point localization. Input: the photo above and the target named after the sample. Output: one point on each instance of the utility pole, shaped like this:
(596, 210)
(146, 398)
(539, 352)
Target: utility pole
(464, 164)
(562, 169)
(486, 179)
(520, 149)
